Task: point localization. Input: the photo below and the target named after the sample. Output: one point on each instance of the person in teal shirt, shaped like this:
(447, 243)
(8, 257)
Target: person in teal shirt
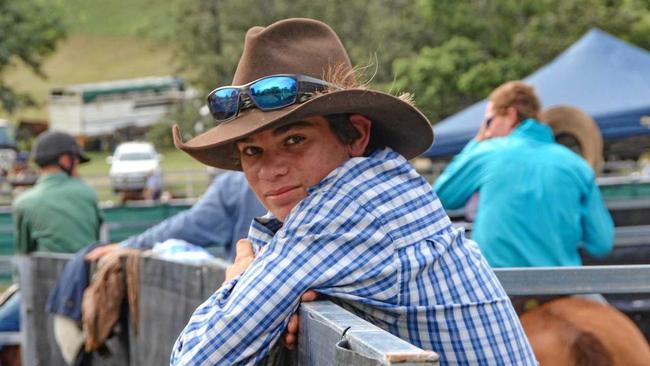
(538, 201)
(59, 214)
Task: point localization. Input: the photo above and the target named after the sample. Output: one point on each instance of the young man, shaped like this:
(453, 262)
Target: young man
(538, 200)
(349, 217)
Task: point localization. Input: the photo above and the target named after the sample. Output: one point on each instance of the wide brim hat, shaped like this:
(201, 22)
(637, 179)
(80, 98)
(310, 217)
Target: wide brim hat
(572, 121)
(308, 47)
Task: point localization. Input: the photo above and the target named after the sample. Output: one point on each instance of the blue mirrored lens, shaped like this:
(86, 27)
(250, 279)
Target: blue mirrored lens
(274, 92)
(224, 103)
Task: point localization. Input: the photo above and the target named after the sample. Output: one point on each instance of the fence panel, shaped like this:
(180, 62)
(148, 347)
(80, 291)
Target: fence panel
(575, 280)
(38, 275)
(626, 287)
(169, 293)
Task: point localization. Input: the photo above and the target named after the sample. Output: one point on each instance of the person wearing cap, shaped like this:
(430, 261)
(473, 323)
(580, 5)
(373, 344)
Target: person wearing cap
(349, 218)
(58, 214)
(539, 202)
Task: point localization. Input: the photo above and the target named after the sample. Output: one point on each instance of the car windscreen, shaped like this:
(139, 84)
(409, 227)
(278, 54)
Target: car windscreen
(135, 156)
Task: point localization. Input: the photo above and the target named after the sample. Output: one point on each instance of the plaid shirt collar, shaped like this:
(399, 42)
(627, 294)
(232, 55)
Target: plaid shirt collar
(263, 228)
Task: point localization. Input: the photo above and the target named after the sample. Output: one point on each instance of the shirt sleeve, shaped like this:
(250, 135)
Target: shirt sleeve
(343, 249)
(22, 233)
(208, 222)
(598, 227)
(461, 178)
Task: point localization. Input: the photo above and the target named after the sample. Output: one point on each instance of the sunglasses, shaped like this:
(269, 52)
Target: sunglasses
(268, 93)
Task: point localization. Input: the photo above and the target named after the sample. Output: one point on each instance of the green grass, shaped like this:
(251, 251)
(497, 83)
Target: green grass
(173, 161)
(183, 176)
(106, 41)
(85, 59)
(131, 18)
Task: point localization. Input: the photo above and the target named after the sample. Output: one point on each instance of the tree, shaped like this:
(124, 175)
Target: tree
(211, 33)
(449, 53)
(504, 40)
(29, 31)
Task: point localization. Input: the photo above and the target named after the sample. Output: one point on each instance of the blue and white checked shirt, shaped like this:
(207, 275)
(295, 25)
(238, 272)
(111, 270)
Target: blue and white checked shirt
(374, 235)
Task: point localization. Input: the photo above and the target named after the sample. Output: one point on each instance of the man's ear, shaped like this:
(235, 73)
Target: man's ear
(513, 117)
(65, 160)
(362, 125)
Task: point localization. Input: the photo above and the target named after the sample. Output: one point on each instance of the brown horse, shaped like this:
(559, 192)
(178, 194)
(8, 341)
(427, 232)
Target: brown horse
(574, 331)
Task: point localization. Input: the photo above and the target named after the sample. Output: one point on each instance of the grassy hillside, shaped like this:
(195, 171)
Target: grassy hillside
(107, 40)
(126, 18)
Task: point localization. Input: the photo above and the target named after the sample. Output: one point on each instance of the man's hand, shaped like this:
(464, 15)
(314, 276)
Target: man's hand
(290, 336)
(99, 252)
(243, 259)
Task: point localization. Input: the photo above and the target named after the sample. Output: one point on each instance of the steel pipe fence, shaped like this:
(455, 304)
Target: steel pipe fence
(168, 294)
(624, 279)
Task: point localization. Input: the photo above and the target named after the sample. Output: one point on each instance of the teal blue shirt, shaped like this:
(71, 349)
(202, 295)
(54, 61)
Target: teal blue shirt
(59, 214)
(538, 201)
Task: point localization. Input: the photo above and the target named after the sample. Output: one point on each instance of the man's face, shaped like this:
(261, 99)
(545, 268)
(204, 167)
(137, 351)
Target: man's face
(499, 124)
(281, 163)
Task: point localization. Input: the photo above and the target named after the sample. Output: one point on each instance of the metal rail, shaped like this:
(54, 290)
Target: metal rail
(169, 293)
(625, 236)
(575, 280)
(357, 341)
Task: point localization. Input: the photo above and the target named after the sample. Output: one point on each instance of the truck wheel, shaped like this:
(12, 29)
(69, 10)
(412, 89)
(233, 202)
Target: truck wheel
(572, 126)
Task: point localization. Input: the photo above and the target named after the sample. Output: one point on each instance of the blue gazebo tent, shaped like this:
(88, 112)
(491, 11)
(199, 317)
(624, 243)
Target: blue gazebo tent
(600, 74)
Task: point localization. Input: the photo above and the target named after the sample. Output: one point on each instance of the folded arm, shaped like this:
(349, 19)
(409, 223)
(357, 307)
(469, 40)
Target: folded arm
(243, 319)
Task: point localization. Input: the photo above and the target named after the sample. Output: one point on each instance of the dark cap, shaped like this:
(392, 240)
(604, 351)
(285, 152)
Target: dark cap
(52, 144)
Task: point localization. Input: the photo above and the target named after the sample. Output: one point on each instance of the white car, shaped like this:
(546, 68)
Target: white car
(131, 164)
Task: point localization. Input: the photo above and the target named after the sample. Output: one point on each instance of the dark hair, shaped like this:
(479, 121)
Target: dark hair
(346, 133)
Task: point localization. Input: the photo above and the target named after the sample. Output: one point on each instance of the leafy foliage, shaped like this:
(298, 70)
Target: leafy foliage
(27, 35)
(449, 53)
(186, 115)
(211, 32)
(480, 44)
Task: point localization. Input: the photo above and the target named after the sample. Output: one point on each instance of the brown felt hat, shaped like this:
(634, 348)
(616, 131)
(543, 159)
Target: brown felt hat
(308, 47)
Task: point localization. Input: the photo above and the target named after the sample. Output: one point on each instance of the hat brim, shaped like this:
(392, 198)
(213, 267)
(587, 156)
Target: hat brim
(83, 158)
(396, 124)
